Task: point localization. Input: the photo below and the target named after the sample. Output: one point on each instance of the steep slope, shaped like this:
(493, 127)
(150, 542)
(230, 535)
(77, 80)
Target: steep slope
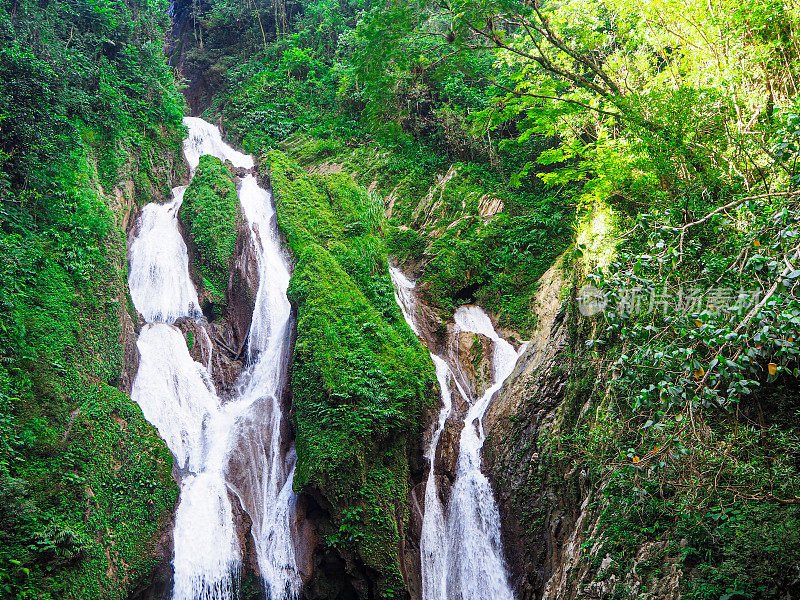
(90, 130)
(599, 500)
(87, 482)
(646, 450)
(360, 383)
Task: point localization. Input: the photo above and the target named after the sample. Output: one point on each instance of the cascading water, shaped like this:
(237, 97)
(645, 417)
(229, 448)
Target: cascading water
(159, 265)
(433, 548)
(266, 490)
(473, 520)
(223, 450)
(206, 139)
(460, 545)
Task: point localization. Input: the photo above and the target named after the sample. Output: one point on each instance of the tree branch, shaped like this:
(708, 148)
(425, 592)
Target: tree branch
(569, 100)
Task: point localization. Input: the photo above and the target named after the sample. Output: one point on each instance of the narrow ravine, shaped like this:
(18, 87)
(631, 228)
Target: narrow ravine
(460, 546)
(231, 451)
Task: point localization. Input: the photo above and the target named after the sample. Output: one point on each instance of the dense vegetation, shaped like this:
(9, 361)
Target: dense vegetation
(312, 91)
(652, 144)
(659, 141)
(85, 483)
(690, 180)
(360, 378)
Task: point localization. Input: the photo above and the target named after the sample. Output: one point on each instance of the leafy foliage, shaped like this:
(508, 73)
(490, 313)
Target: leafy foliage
(85, 481)
(676, 142)
(81, 471)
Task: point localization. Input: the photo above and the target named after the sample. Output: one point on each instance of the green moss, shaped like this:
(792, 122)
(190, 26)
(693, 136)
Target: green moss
(743, 548)
(85, 481)
(405, 243)
(210, 212)
(492, 259)
(160, 163)
(360, 377)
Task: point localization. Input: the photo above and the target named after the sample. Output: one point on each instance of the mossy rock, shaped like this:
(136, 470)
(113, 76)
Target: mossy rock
(360, 378)
(86, 486)
(211, 214)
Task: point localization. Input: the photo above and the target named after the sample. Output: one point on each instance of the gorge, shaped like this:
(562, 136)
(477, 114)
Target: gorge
(312, 300)
(214, 439)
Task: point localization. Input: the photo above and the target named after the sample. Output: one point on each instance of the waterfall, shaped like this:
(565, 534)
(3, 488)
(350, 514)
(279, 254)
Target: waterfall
(226, 452)
(206, 139)
(432, 546)
(267, 494)
(473, 520)
(460, 546)
(159, 281)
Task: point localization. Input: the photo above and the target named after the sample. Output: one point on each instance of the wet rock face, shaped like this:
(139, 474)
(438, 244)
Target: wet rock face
(474, 354)
(200, 348)
(329, 573)
(223, 347)
(511, 454)
(447, 457)
(550, 509)
(242, 285)
(216, 347)
(130, 353)
(536, 519)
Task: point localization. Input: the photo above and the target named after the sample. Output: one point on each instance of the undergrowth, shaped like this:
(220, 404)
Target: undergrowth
(89, 112)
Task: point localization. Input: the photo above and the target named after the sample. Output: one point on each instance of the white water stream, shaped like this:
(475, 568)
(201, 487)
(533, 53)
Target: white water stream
(159, 265)
(228, 452)
(460, 547)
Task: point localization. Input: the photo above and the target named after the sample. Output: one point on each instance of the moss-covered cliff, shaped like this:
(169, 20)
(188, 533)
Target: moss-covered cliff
(360, 379)
(90, 130)
(466, 233)
(605, 495)
(211, 215)
(86, 482)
